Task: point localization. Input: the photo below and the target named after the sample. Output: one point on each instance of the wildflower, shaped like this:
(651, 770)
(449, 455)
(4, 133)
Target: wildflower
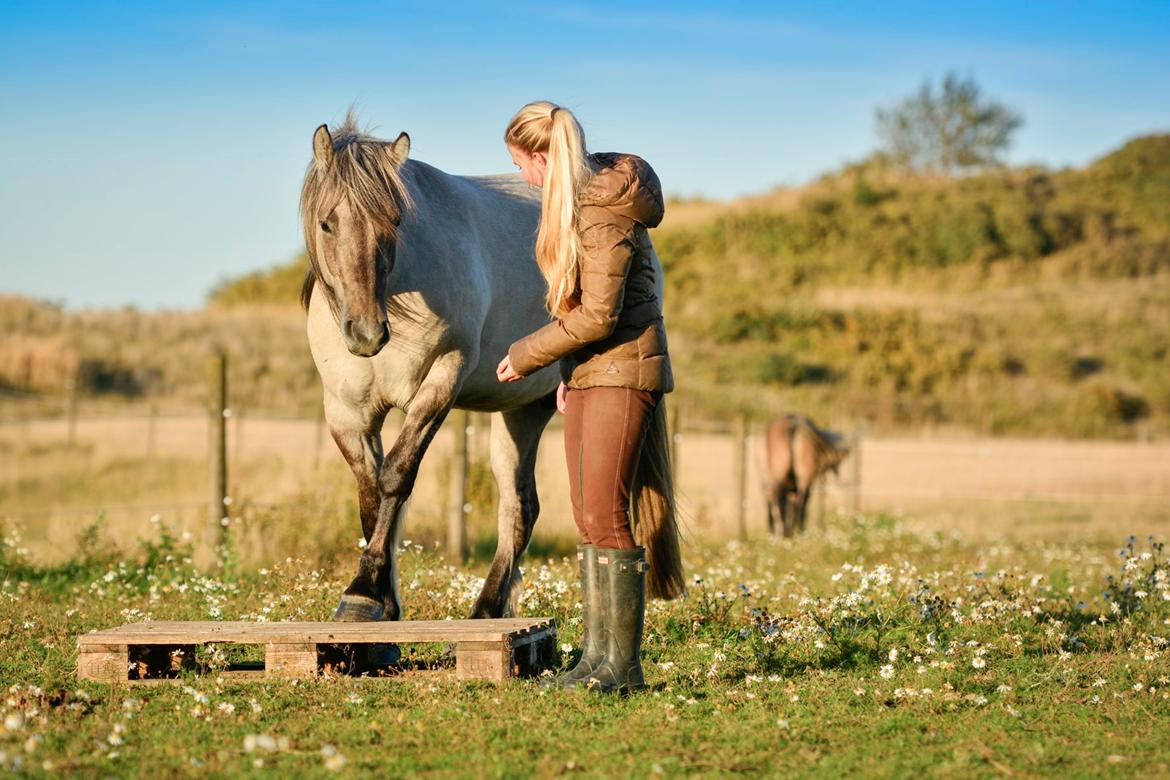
(334, 760)
(886, 671)
(978, 662)
(263, 743)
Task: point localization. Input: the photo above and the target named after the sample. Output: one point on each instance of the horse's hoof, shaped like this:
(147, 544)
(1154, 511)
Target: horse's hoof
(358, 609)
(382, 655)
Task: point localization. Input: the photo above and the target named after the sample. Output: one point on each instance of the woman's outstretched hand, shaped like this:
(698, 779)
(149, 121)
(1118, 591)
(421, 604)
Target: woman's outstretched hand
(561, 389)
(505, 372)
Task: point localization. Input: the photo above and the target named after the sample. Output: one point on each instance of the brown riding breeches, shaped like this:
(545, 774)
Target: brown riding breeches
(604, 431)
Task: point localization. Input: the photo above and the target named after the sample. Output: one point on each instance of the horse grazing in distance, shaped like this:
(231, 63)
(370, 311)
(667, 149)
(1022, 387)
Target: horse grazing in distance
(418, 282)
(797, 452)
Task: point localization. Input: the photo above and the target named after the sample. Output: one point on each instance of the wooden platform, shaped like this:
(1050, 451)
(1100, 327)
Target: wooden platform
(484, 649)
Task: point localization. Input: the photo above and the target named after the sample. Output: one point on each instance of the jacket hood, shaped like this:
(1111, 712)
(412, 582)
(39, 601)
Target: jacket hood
(626, 185)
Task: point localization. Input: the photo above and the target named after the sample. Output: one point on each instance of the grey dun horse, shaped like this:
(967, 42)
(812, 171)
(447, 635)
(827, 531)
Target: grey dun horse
(418, 282)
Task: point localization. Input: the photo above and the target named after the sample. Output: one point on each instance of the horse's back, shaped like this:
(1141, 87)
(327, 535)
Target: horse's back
(485, 228)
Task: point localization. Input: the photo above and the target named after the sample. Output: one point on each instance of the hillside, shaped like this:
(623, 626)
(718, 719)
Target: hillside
(1021, 301)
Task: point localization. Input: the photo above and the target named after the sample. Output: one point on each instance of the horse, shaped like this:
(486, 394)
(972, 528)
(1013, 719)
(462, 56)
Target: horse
(418, 281)
(797, 452)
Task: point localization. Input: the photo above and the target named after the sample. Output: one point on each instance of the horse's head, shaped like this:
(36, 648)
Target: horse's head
(352, 202)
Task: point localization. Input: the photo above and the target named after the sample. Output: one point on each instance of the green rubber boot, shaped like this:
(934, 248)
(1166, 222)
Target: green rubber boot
(593, 632)
(623, 579)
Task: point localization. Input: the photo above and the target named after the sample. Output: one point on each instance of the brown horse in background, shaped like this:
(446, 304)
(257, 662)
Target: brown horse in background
(797, 452)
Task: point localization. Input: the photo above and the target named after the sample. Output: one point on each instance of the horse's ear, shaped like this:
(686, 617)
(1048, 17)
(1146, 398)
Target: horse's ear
(323, 147)
(399, 149)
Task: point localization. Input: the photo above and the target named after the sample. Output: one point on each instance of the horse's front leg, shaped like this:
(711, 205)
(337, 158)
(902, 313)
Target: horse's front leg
(358, 434)
(373, 594)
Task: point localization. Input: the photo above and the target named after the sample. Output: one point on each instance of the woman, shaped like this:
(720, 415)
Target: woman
(595, 253)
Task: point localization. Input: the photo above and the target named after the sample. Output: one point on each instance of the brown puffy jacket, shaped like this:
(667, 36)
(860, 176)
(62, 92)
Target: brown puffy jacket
(615, 336)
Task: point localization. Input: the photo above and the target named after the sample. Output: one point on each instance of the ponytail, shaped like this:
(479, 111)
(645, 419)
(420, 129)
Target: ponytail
(546, 127)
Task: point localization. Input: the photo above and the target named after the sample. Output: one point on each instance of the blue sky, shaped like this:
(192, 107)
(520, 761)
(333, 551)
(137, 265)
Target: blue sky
(148, 150)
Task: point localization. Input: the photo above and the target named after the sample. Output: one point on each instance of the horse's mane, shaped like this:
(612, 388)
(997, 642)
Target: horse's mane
(362, 172)
(826, 442)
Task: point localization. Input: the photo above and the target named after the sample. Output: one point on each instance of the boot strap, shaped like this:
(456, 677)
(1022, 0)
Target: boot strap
(638, 566)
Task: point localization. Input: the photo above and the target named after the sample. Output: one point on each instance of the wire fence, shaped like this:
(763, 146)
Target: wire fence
(720, 460)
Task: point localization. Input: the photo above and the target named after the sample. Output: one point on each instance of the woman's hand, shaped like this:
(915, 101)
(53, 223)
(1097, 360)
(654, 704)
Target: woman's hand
(561, 391)
(505, 372)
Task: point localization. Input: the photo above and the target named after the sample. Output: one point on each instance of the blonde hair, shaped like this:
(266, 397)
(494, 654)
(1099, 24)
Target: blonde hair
(543, 126)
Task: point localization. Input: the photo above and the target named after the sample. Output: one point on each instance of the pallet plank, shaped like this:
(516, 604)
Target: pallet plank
(243, 632)
(493, 664)
(290, 659)
(484, 649)
(105, 663)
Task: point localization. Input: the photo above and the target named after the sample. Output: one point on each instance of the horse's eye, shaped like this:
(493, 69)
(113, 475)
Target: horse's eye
(325, 228)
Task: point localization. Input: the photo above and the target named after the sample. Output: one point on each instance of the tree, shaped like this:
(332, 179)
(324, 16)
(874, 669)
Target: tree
(947, 132)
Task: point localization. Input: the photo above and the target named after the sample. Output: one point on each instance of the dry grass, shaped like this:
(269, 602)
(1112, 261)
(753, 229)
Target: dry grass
(988, 488)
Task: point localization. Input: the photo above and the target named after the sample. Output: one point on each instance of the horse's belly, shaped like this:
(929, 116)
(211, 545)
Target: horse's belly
(483, 392)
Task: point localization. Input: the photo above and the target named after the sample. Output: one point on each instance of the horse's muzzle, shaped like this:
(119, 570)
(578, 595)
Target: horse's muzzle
(365, 342)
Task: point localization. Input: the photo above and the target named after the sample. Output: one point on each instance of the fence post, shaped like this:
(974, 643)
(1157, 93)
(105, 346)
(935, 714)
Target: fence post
(740, 440)
(856, 478)
(151, 422)
(217, 411)
(71, 412)
(457, 519)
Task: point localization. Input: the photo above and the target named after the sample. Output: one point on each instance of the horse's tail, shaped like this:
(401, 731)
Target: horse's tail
(654, 510)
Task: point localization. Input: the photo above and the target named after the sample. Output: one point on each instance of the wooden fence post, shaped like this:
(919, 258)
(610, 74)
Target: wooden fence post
(151, 422)
(460, 467)
(71, 413)
(217, 412)
(740, 440)
(856, 478)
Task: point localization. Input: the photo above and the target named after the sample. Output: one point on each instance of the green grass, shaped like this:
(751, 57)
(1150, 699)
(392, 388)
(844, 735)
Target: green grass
(866, 649)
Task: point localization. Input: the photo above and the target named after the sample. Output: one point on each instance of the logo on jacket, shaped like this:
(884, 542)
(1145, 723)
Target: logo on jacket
(613, 369)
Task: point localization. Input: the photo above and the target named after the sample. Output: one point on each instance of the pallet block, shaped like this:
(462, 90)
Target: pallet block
(495, 649)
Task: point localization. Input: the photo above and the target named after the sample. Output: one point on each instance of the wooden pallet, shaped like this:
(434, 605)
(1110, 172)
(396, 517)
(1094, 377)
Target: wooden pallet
(484, 649)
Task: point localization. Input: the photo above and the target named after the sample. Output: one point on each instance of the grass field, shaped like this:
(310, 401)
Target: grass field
(873, 647)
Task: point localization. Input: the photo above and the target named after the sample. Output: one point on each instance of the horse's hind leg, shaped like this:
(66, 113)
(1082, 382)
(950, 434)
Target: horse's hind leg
(776, 503)
(515, 437)
(802, 508)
